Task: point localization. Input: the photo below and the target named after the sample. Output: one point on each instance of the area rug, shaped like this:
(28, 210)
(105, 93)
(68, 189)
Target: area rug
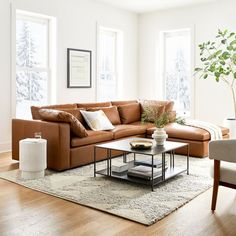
(124, 199)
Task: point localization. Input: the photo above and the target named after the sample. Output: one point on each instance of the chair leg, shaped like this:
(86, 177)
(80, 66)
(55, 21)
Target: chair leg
(216, 184)
(214, 195)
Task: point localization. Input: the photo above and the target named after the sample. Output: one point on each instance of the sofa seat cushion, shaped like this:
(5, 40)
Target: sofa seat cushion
(146, 125)
(93, 137)
(175, 130)
(122, 131)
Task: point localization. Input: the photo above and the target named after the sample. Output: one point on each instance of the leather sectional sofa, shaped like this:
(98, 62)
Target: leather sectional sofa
(67, 151)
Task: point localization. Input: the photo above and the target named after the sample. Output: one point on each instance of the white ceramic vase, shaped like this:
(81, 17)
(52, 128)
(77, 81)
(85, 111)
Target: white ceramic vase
(160, 136)
(231, 124)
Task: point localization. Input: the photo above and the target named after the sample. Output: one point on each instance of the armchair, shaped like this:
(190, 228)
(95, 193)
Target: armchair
(223, 152)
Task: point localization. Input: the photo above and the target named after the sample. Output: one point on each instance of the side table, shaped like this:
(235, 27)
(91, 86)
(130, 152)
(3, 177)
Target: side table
(33, 158)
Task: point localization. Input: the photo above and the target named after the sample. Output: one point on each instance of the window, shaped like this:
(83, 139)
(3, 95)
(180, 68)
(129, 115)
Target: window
(177, 69)
(109, 47)
(32, 63)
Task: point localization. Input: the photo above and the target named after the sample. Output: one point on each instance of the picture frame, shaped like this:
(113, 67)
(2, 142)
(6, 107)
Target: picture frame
(79, 68)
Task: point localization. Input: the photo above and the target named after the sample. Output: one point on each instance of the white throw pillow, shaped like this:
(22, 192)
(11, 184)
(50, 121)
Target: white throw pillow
(97, 120)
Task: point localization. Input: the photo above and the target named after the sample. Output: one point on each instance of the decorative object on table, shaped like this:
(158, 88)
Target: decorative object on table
(161, 119)
(33, 158)
(141, 144)
(79, 68)
(37, 135)
(219, 62)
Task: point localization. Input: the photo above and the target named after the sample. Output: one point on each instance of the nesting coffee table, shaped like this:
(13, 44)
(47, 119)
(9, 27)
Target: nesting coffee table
(124, 146)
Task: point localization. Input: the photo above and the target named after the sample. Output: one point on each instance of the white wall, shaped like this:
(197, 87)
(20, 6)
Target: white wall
(76, 28)
(212, 100)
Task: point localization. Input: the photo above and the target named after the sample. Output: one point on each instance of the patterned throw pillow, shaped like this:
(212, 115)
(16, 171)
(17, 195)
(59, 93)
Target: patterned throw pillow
(97, 120)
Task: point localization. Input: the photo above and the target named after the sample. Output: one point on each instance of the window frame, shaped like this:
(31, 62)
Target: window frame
(118, 70)
(161, 65)
(50, 68)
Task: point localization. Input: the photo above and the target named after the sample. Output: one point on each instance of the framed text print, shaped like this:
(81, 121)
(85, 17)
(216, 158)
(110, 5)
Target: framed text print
(79, 68)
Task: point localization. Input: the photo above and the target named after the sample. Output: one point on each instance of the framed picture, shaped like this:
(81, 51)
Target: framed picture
(79, 68)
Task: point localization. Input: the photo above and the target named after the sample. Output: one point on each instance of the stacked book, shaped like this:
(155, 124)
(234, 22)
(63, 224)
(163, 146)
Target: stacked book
(144, 172)
(147, 162)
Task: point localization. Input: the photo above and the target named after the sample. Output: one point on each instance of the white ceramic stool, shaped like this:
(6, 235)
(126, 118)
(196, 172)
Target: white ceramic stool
(33, 158)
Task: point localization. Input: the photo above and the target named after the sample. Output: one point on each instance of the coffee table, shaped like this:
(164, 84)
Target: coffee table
(124, 146)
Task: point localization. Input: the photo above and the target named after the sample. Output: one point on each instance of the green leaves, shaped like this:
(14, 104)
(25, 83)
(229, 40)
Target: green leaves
(218, 58)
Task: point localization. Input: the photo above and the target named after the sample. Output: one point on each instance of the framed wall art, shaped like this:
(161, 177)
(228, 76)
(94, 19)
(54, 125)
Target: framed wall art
(79, 68)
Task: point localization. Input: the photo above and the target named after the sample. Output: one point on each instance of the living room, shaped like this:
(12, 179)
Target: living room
(132, 51)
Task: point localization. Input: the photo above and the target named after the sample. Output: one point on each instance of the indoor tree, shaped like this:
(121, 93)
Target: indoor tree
(218, 59)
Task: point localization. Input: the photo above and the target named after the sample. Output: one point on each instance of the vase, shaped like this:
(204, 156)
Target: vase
(231, 124)
(160, 136)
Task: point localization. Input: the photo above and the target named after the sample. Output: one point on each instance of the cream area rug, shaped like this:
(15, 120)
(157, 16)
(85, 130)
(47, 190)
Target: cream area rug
(124, 199)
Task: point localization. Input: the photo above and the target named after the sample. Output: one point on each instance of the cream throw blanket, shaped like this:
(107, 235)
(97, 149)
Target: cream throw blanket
(214, 130)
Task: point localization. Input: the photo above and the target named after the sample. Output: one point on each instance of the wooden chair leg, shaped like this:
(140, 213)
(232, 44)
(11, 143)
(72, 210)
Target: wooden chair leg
(214, 195)
(216, 184)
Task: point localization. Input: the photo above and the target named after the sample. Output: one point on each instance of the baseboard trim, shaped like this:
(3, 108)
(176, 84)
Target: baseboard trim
(5, 147)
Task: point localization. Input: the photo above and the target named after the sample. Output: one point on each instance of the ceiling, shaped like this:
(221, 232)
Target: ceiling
(141, 6)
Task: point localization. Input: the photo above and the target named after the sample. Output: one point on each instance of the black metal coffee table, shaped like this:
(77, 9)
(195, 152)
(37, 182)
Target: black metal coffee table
(124, 146)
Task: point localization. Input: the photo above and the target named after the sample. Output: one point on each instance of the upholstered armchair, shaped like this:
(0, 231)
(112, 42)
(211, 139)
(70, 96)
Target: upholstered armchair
(223, 152)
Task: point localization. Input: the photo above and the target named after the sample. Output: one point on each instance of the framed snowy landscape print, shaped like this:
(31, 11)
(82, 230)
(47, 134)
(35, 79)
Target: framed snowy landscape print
(79, 68)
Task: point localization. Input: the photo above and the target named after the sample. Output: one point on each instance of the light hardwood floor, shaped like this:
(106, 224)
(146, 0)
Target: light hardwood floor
(27, 212)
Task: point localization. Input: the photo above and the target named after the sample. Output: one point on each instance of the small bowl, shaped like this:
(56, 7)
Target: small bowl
(141, 144)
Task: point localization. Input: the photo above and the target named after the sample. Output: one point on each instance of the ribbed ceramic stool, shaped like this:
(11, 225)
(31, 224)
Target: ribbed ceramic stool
(33, 158)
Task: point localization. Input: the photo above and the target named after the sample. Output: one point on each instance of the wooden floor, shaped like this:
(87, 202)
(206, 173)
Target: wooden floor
(27, 212)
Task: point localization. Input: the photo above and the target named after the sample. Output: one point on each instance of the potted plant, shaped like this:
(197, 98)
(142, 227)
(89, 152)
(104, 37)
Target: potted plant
(160, 119)
(218, 59)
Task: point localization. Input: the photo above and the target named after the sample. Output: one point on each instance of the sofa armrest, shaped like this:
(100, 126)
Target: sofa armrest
(56, 134)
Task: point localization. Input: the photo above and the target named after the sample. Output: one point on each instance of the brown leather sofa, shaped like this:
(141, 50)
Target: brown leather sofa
(65, 151)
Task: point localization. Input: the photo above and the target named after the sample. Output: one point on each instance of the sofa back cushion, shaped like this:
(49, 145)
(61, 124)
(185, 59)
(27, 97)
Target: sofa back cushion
(97, 104)
(129, 113)
(76, 113)
(35, 109)
(168, 104)
(61, 116)
(120, 103)
(111, 113)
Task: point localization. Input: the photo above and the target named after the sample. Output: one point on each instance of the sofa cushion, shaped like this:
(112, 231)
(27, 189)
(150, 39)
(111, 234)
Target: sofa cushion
(76, 113)
(61, 116)
(129, 113)
(35, 109)
(146, 125)
(178, 131)
(97, 104)
(111, 113)
(93, 137)
(168, 104)
(97, 120)
(119, 103)
(122, 131)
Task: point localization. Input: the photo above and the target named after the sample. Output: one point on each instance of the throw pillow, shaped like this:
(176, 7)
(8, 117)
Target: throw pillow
(76, 113)
(111, 113)
(130, 113)
(61, 116)
(97, 120)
